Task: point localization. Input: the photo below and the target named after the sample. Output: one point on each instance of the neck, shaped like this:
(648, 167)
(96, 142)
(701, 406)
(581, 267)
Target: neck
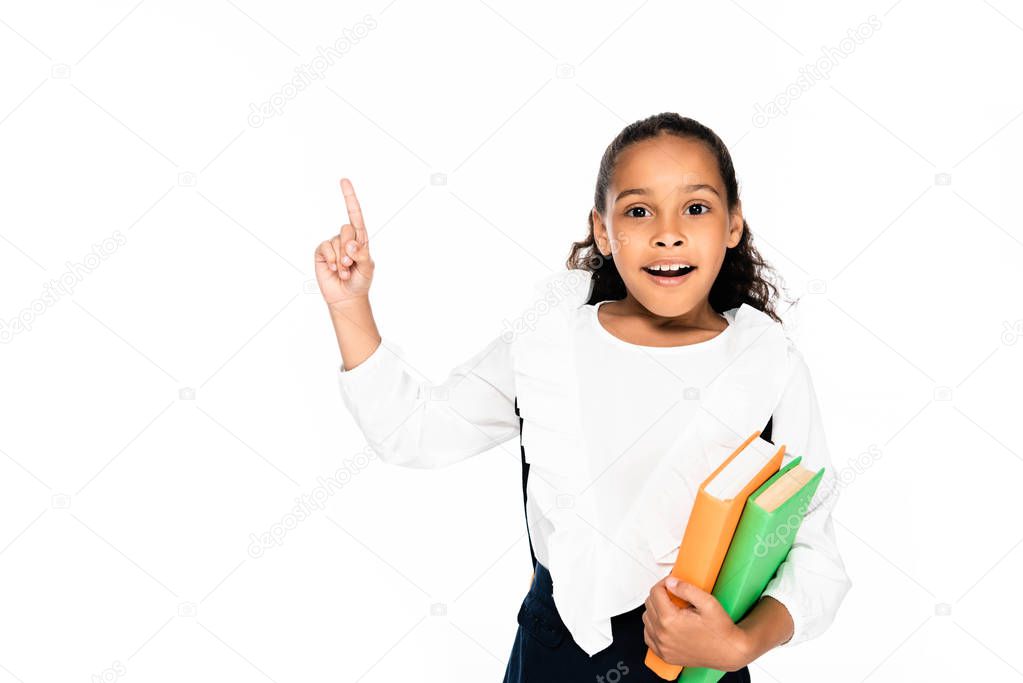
(702, 316)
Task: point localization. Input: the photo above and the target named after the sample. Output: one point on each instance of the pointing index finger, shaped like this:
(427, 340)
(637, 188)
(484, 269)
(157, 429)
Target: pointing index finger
(354, 211)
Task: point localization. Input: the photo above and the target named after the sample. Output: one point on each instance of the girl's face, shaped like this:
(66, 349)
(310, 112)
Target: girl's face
(666, 204)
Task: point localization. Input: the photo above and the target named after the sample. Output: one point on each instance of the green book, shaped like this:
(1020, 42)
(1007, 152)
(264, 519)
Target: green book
(761, 542)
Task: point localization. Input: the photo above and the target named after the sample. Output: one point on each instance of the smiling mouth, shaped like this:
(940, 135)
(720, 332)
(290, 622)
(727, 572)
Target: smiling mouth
(670, 273)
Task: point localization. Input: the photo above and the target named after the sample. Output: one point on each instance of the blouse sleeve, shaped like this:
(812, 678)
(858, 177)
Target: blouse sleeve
(416, 423)
(812, 581)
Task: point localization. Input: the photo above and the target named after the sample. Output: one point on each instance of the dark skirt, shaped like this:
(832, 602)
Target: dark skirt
(544, 650)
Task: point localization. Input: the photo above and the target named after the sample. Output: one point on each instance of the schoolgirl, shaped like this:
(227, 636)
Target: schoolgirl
(627, 379)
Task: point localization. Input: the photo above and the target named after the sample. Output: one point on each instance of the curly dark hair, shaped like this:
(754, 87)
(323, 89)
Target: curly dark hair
(744, 276)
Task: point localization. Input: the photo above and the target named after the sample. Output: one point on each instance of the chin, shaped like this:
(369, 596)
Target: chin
(666, 304)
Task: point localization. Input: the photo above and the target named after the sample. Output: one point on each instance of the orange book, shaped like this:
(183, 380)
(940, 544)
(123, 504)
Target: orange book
(715, 514)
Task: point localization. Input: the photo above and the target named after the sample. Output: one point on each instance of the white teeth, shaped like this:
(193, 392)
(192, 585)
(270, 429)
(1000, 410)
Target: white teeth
(673, 266)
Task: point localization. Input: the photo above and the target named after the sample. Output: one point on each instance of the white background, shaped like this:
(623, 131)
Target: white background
(129, 503)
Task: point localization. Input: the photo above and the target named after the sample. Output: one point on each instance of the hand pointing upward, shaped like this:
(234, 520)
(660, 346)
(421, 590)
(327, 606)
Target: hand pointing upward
(344, 267)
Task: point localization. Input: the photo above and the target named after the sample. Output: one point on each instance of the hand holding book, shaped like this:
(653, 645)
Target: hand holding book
(702, 634)
(742, 525)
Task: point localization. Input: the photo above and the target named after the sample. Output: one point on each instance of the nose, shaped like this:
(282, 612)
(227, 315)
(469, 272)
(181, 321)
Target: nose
(668, 233)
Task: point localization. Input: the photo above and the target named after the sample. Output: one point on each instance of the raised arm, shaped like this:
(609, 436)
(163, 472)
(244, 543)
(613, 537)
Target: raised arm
(406, 420)
(416, 423)
(344, 272)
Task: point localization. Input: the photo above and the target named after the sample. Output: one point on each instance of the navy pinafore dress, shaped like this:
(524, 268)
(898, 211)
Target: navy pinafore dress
(544, 651)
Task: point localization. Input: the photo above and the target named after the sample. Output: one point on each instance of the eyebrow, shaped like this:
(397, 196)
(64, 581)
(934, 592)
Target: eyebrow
(685, 188)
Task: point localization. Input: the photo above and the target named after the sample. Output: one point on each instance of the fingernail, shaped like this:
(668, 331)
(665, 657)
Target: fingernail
(351, 247)
(333, 266)
(671, 582)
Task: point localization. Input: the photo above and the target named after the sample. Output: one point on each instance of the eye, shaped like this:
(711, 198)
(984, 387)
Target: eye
(634, 208)
(706, 208)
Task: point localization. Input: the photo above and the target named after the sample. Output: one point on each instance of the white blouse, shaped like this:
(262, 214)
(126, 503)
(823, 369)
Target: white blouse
(619, 438)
